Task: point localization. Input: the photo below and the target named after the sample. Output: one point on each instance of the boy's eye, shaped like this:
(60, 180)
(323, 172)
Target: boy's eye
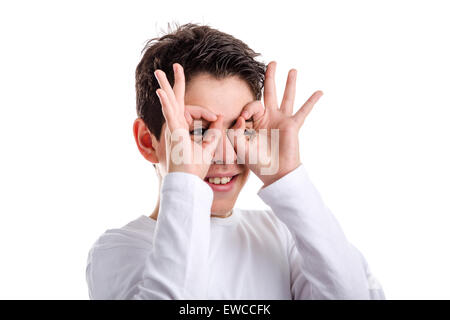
(198, 131)
(249, 132)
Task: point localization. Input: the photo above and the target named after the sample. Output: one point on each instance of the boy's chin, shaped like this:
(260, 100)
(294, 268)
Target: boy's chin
(224, 202)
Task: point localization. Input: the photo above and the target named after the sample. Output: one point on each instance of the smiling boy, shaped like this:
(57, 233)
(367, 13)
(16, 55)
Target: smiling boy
(196, 244)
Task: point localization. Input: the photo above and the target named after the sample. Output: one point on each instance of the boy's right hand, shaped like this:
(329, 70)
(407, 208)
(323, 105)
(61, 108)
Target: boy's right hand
(182, 152)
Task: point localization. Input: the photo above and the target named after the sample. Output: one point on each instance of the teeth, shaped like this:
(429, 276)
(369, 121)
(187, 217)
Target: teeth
(224, 180)
(218, 180)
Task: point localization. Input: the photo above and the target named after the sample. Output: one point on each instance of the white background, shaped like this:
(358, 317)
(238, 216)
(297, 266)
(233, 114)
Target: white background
(376, 145)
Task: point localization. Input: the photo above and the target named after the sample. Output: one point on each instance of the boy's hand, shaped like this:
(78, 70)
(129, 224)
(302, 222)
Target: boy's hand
(286, 157)
(182, 152)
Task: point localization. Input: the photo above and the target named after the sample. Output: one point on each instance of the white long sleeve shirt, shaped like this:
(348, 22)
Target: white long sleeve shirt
(296, 250)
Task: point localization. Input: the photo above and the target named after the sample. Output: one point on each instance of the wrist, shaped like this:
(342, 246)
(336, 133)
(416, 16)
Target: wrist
(269, 179)
(188, 169)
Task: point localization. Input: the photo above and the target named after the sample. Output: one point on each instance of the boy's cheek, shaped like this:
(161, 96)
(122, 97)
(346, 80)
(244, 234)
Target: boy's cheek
(244, 176)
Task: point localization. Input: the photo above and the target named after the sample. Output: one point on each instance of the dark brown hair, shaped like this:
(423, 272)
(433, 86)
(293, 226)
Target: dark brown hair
(198, 48)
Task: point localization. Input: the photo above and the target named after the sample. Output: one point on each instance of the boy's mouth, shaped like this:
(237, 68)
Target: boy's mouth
(221, 183)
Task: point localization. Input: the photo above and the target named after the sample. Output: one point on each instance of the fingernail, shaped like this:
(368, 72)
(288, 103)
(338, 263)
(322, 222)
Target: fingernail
(175, 68)
(245, 114)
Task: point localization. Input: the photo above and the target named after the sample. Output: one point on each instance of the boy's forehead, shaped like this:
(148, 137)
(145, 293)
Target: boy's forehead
(226, 96)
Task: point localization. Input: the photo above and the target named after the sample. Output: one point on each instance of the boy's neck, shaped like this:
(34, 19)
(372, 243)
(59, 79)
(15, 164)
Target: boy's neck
(155, 212)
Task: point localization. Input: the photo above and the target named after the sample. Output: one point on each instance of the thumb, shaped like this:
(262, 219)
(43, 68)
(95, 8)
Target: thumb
(236, 132)
(212, 137)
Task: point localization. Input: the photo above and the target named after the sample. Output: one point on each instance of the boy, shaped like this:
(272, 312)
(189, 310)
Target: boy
(192, 86)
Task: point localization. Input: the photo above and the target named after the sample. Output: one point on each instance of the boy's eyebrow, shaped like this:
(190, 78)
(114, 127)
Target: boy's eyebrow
(207, 123)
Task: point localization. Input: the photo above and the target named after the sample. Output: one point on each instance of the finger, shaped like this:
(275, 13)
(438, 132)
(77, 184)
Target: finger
(188, 116)
(301, 114)
(197, 112)
(270, 92)
(212, 137)
(165, 85)
(253, 109)
(238, 127)
(166, 109)
(240, 123)
(287, 104)
(179, 84)
(237, 138)
(236, 130)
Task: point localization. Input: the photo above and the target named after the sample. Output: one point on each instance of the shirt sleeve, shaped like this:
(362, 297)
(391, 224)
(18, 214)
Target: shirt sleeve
(324, 265)
(176, 265)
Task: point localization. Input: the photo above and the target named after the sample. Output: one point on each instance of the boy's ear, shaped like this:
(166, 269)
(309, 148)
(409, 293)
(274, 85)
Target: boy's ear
(144, 141)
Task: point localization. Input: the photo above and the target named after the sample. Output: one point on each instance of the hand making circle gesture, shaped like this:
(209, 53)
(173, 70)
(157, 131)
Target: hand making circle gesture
(273, 140)
(183, 153)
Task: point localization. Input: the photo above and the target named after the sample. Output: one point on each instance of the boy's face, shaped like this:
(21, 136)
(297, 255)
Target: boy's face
(227, 96)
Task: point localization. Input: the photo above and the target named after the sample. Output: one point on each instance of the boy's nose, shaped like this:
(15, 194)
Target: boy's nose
(224, 152)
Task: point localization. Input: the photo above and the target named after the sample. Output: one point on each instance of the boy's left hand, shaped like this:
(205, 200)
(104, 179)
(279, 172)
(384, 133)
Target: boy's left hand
(273, 117)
